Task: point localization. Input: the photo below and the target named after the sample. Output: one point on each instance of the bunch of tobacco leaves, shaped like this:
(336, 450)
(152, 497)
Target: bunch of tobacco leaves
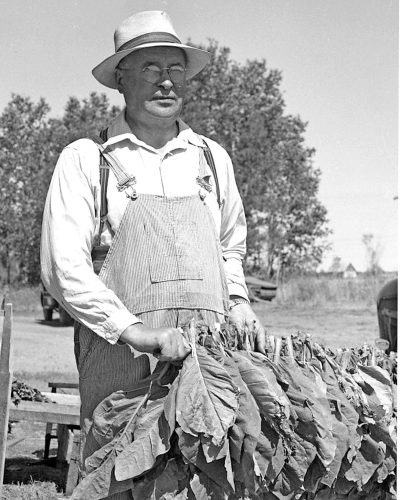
(296, 422)
(23, 392)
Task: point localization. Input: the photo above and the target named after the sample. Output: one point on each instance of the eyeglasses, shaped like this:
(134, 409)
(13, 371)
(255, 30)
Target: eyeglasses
(153, 73)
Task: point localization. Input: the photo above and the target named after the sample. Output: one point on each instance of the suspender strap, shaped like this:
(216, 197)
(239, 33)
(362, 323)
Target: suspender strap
(104, 174)
(210, 162)
(107, 159)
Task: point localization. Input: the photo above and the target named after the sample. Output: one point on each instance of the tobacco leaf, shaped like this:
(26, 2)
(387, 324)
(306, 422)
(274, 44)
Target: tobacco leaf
(342, 408)
(287, 483)
(172, 481)
(340, 432)
(151, 439)
(143, 488)
(204, 488)
(378, 389)
(219, 471)
(100, 483)
(303, 453)
(95, 460)
(207, 399)
(170, 404)
(269, 455)
(248, 420)
(261, 382)
(312, 409)
(114, 411)
(313, 476)
(368, 458)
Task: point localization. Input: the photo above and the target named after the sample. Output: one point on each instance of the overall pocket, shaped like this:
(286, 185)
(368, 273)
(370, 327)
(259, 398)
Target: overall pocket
(174, 252)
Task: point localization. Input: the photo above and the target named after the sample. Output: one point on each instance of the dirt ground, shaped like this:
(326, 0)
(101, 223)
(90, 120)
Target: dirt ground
(45, 349)
(43, 352)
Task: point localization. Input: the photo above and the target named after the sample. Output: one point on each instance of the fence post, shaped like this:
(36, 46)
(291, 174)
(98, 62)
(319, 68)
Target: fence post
(5, 385)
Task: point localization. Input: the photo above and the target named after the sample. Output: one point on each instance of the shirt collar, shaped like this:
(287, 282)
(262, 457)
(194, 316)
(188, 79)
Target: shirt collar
(119, 131)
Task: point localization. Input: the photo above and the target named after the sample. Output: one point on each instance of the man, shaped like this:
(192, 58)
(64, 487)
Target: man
(175, 253)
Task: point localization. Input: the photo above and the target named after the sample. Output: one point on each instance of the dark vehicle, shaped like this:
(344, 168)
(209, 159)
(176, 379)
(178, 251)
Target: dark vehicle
(49, 304)
(387, 314)
(260, 290)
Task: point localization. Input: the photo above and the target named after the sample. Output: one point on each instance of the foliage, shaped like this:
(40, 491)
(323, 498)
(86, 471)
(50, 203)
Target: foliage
(301, 421)
(29, 147)
(24, 392)
(82, 119)
(25, 153)
(239, 105)
(373, 251)
(242, 108)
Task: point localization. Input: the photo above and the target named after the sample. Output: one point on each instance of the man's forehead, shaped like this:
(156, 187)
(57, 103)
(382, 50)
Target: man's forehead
(153, 54)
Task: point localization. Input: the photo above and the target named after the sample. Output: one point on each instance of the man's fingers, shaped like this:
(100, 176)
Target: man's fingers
(174, 346)
(260, 342)
(259, 337)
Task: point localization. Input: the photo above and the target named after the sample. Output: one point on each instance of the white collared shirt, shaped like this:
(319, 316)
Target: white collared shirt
(71, 217)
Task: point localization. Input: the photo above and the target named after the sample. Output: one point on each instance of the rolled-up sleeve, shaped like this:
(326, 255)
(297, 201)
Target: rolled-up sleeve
(70, 221)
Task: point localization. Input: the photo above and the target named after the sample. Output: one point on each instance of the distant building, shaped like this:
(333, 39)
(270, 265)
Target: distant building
(350, 272)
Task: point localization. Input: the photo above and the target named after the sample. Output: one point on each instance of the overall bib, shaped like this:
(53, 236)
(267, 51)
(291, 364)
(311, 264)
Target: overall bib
(165, 264)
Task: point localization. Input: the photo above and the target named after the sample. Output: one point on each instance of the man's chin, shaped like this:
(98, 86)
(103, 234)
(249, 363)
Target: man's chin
(168, 109)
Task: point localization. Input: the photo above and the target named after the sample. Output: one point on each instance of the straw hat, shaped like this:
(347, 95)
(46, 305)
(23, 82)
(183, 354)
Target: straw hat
(147, 29)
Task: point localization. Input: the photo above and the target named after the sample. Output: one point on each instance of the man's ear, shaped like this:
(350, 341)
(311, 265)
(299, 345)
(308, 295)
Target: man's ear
(118, 79)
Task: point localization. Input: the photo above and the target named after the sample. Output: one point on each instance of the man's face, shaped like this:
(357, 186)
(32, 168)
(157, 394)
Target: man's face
(147, 101)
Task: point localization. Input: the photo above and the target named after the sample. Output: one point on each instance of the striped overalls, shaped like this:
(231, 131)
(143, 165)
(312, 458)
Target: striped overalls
(165, 264)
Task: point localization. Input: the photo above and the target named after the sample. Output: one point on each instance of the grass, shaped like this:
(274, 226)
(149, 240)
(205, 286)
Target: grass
(312, 290)
(327, 291)
(24, 299)
(35, 490)
(40, 380)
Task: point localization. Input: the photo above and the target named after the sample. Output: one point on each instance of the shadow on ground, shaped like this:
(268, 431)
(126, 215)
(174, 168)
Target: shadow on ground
(25, 470)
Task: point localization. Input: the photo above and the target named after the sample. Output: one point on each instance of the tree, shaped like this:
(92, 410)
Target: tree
(81, 119)
(336, 266)
(30, 144)
(373, 250)
(24, 149)
(241, 107)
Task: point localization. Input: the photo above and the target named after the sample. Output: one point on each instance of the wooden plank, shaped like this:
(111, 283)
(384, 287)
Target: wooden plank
(65, 437)
(64, 385)
(63, 399)
(45, 412)
(73, 469)
(5, 385)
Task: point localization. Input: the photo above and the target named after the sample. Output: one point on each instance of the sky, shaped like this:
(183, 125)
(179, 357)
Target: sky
(339, 63)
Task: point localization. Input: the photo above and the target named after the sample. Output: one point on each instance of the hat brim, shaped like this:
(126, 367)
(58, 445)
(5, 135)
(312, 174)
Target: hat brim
(196, 60)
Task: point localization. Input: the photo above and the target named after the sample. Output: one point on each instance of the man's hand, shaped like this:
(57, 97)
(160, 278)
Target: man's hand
(243, 316)
(167, 344)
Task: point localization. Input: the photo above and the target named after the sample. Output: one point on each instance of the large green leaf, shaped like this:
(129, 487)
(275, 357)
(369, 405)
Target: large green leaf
(207, 399)
(248, 420)
(151, 439)
(260, 380)
(219, 471)
(378, 388)
(100, 482)
(369, 457)
(205, 488)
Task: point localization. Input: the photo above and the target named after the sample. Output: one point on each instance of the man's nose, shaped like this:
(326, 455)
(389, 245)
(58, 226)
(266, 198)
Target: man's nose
(166, 80)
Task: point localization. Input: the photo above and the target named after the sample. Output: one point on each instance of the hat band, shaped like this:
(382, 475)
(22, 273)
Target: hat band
(155, 37)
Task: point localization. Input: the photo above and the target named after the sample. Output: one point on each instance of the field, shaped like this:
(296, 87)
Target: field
(336, 313)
